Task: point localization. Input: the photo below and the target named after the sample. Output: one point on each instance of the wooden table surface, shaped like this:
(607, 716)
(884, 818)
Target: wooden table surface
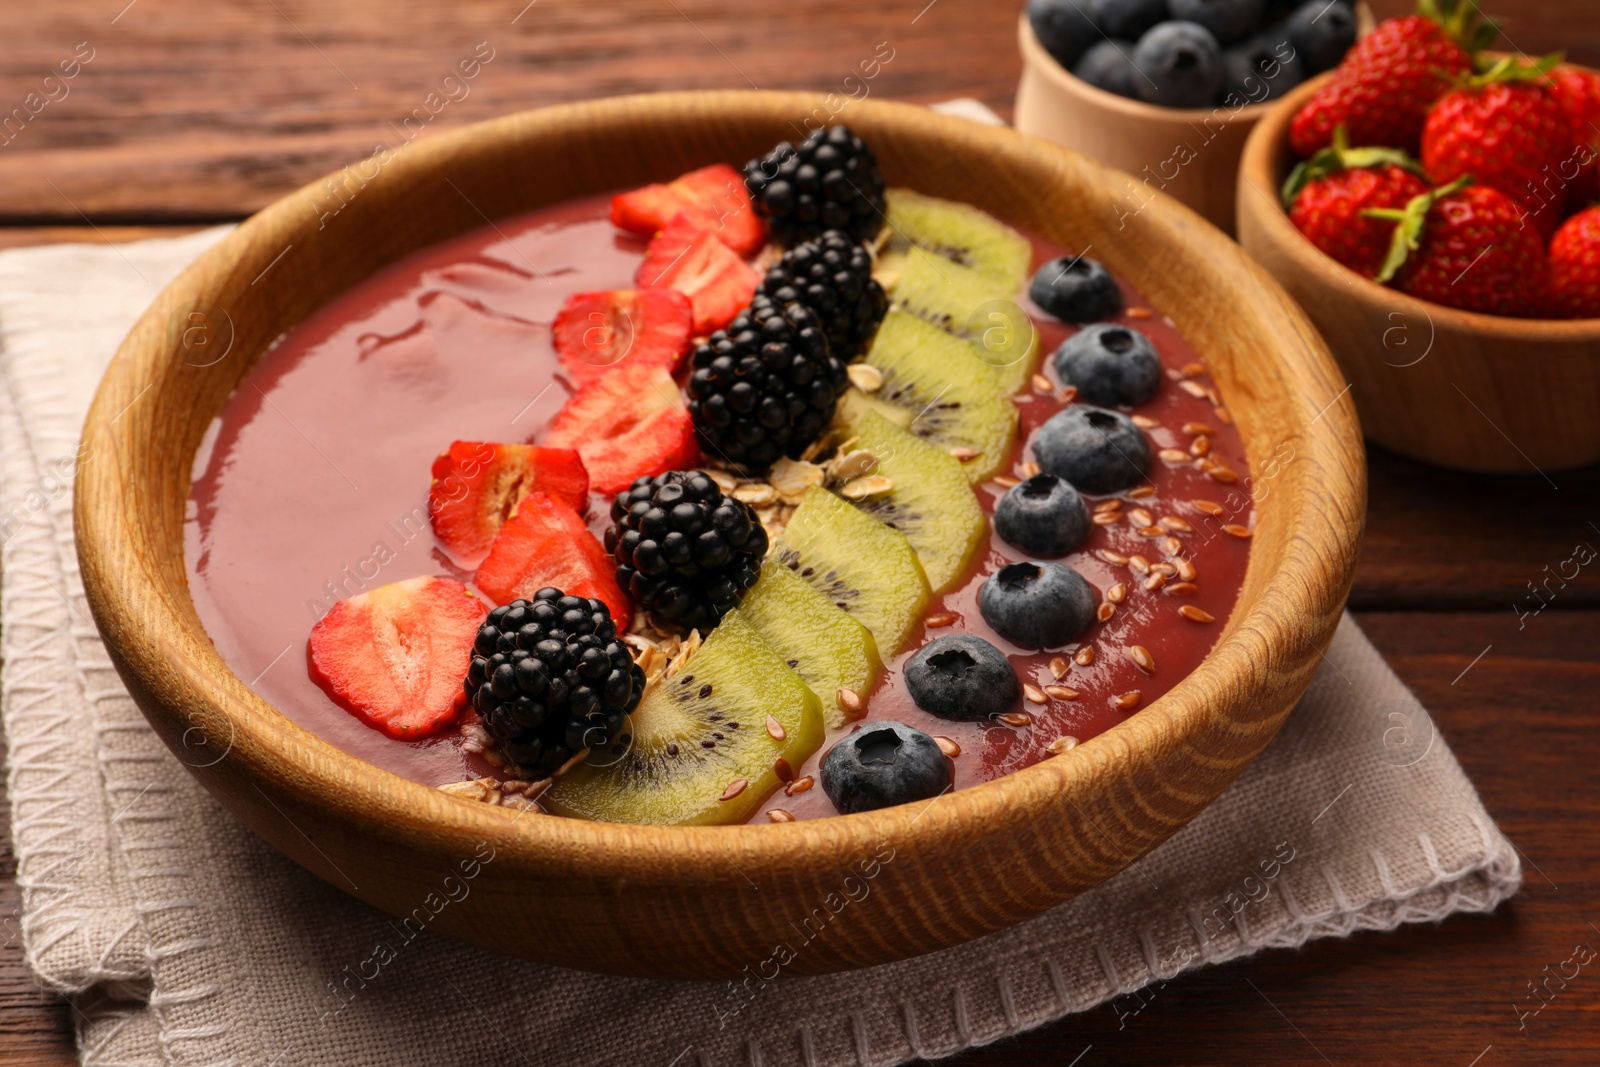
(188, 112)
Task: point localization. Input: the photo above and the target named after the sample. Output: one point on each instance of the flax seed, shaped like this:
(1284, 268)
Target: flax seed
(779, 815)
(781, 768)
(850, 702)
(1223, 415)
(1172, 522)
(1106, 518)
(1210, 507)
(1069, 394)
(1200, 446)
(1060, 692)
(1114, 558)
(1144, 422)
(735, 787)
(1005, 480)
(1195, 429)
(1114, 504)
(1139, 564)
(1142, 491)
(1182, 589)
(1064, 743)
(1033, 694)
(1141, 313)
(1041, 384)
(798, 786)
(1084, 656)
(1154, 582)
(1184, 568)
(1151, 531)
(1129, 700)
(1194, 614)
(1142, 658)
(1058, 667)
(965, 455)
(1105, 611)
(1016, 718)
(1233, 529)
(1140, 517)
(1174, 455)
(1194, 389)
(941, 620)
(1171, 546)
(775, 729)
(947, 746)
(1223, 474)
(1117, 593)
(1194, 368)
(1027, 470)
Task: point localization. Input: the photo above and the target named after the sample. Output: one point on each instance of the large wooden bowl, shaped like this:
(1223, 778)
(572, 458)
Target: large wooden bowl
(1455, 388)
(1191, 154)
(704, 902)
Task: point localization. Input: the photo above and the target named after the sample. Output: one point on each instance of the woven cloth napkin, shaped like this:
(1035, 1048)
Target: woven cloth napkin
(183, 939)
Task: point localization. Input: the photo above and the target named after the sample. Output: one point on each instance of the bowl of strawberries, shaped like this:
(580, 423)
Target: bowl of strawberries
(1433, 206)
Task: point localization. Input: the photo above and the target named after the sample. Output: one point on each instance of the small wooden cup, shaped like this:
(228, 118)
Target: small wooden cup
(1190, 154)
(707, 902)
(1455, 388)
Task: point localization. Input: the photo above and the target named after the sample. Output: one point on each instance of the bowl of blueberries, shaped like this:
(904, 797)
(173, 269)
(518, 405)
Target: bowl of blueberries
(1168, 90)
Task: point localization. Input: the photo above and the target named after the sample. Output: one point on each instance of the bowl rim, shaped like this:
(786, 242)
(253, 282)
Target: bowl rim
(1262, 169)
(136, 611)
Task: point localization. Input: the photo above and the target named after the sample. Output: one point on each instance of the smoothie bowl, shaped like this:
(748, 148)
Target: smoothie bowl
(668, 542)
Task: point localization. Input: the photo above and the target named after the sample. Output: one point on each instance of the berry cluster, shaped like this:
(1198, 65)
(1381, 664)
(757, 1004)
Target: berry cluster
(684, 551)
(549, 679)
(832, 275)
(830, 182)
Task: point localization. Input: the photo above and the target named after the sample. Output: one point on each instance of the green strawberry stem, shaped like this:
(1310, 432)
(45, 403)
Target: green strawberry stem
(1511, 69)
(1411, 218)
(1341, 157)
(1459, 19)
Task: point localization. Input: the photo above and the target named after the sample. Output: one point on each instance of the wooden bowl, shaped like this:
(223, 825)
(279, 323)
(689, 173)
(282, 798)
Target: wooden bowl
(705, 902)
(1190, 154)
(1455, 388)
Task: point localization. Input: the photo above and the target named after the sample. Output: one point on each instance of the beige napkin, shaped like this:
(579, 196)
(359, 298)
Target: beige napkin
(214, 950)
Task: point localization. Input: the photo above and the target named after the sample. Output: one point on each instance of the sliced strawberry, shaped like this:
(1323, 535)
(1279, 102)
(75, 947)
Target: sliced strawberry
(625, 425)
(395, 656)
(597, 331)
(477, 484)
(717, 282)
(714, 198)
(546, 544)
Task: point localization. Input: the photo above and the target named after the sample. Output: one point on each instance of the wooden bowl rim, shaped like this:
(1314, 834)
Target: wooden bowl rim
(269, 747)
(1265, 152)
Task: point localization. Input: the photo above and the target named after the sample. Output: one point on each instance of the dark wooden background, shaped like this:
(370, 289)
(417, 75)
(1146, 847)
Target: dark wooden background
(198, 111)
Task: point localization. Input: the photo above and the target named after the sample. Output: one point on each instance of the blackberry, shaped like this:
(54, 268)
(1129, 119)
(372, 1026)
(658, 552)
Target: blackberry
(766, 386)
(831, 275)
(549, 679)
(831, 182)
(684, 551)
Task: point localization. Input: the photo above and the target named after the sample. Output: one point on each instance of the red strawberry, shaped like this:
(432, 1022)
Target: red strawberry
(1505, 129)
(1575, 267)
(1464, 246)
(1327, 194)
(625, 425)
(547, 544)
(714, 197)
(596, 331)
(718, 283)
(1579, 93)
(395, 656)
(477, 484)
(1382, 90)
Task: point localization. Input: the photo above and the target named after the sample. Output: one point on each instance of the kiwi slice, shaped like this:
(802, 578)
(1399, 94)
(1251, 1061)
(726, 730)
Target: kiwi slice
(961, 233)
(826, 647)
(698, 734)
(931, 502)
(865, 569)
(956, 399)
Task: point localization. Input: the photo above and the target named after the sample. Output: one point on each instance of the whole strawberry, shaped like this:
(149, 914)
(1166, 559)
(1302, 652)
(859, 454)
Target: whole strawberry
(1328, 193)
(1505, 128)
(1464, 246)
(1575, 267)
(1579, 93)
(1382, 90)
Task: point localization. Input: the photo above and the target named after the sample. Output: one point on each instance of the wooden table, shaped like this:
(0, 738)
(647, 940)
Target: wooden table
(191, 112)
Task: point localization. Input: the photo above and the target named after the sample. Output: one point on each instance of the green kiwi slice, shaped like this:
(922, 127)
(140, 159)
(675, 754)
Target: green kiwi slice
(697, 736)
(829, 649)
(961, 233)
(865, 569)
(956, 400)
(930, 502)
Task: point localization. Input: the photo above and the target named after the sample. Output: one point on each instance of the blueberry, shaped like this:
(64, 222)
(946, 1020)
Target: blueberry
(1321, 33)
(1065, 28)
(1128, 18)
(1112, 365)
(1076, 289)
(1037, 605)
(961, 677)
(1228, 20)
(1260, 68)
(1109, 66)
(883, 764)
(1098, 451)
(1043, 516)
(1179, 64)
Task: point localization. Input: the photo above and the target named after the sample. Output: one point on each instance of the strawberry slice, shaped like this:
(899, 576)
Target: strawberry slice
(477, 484)
(546, 544)
(625, 425)
(717, 282)
(597, 331)
(714, 198)
(395, 656)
